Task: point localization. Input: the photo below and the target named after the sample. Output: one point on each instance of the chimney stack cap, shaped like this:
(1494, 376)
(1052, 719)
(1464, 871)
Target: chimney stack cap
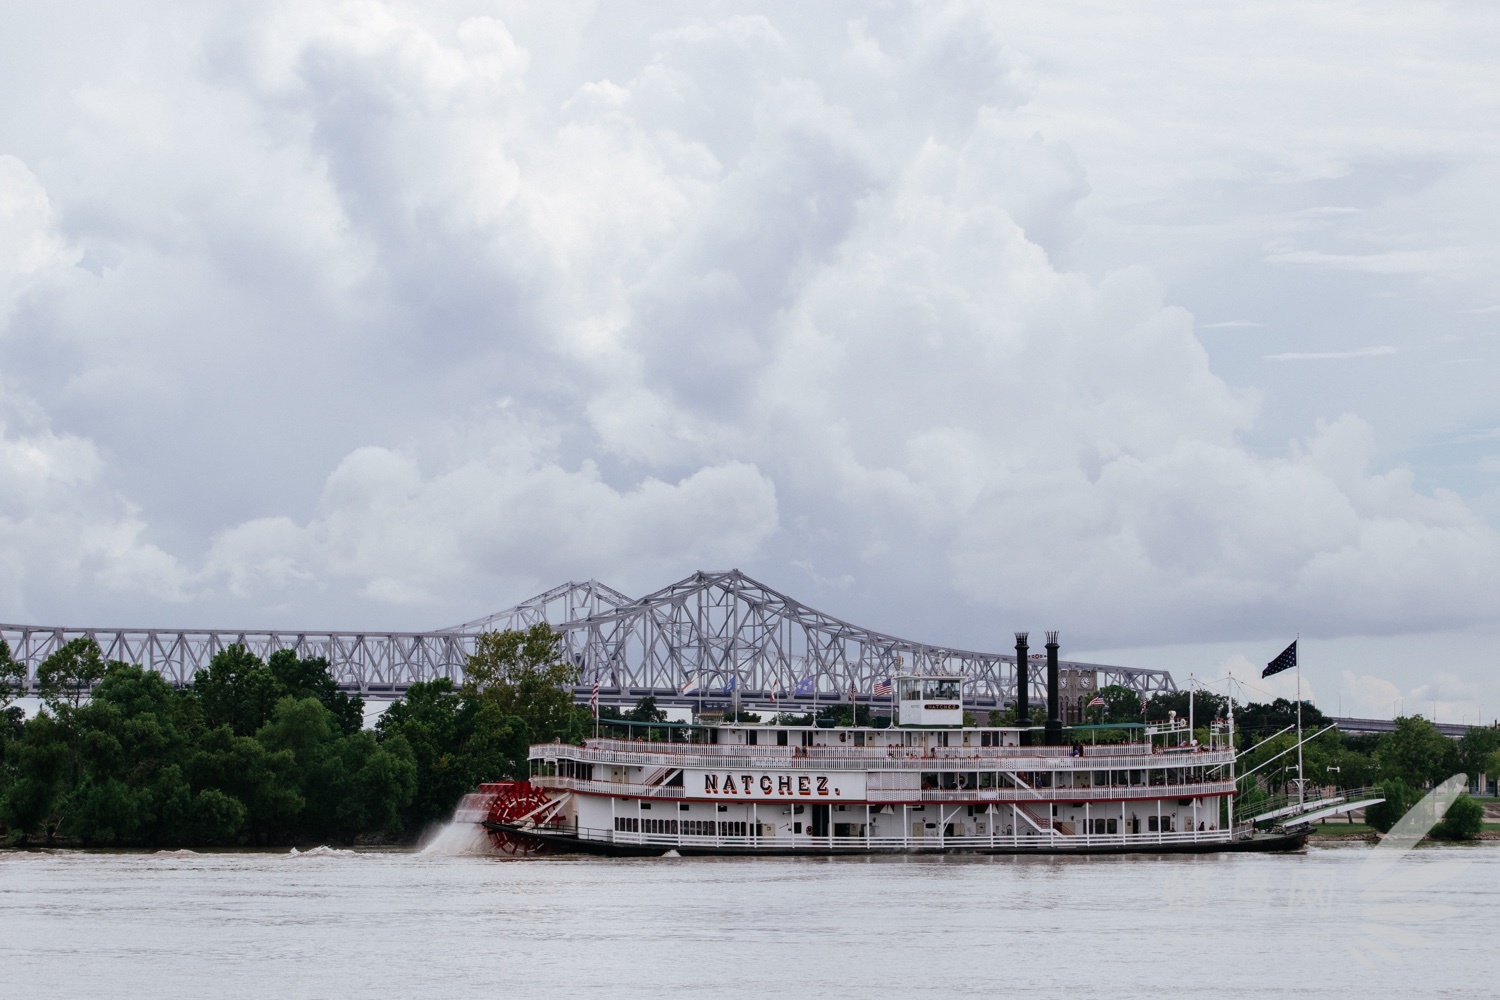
(1052, 635)
(1021, 636)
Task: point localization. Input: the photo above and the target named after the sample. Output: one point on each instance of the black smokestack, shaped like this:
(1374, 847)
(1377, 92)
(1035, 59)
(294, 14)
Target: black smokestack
(1054, 704)
(1023, 690)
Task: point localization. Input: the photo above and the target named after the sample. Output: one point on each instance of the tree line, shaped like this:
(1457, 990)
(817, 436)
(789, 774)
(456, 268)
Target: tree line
(265, 752)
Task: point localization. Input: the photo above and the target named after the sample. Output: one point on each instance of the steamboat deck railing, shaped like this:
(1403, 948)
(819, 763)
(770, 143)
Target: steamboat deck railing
(880, 752)
(888, 795)
(938, 841)
(862, 759)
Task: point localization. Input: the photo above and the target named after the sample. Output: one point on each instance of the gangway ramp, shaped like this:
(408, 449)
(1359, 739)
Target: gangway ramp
(1323, 814)
(1323, 806)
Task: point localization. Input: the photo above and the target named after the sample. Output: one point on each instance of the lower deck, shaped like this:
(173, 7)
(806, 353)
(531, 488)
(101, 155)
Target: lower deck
(758, 827)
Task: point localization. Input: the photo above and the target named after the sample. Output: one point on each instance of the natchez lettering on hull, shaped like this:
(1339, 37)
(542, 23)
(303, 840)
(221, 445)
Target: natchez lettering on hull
(771, 785)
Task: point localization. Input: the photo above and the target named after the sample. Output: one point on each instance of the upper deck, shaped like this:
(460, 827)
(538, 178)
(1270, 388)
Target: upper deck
(1166, 747)
(841, 757)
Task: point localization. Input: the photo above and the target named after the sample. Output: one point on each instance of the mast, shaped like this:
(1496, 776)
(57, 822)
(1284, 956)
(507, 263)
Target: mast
(1301, 782)
(1233, 754)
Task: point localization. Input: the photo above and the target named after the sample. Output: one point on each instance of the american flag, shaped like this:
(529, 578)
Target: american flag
(883, 688)
(594, 699)
(775, 683)
(1098, 702)
(1286, 660)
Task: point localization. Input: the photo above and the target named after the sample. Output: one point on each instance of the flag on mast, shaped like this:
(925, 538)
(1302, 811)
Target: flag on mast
(594, 699)
(883, 688)
(1286, 661)
(1098, 702)
(691, 687)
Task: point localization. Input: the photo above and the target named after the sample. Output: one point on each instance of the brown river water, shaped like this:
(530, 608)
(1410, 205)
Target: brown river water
(1336, 921)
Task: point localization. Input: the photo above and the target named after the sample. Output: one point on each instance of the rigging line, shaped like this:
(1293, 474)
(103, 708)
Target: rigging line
(1288, 750)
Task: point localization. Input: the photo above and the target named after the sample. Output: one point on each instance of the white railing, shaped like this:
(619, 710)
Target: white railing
(883, 795)
(864, 752)
(1030, 839)
(857, 759)
(1123, 793)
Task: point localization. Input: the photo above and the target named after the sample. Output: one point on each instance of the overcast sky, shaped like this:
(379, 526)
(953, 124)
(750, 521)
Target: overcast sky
(1175, 327)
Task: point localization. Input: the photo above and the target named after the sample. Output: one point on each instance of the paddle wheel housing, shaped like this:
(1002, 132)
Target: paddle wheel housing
(511, 802)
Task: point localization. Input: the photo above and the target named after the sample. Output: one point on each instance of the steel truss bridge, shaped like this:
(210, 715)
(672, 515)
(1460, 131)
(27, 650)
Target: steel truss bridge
(711, 641)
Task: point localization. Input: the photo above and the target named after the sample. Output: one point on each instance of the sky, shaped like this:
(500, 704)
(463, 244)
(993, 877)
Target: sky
(1171, 326)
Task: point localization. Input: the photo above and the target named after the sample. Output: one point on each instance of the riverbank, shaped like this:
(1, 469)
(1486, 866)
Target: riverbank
(1340, 831)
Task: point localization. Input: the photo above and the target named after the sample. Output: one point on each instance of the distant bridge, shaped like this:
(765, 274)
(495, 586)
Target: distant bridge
(711, 640)
(1453, 729)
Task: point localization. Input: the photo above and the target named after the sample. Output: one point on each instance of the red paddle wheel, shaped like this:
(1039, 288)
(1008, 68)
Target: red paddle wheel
(512, 802)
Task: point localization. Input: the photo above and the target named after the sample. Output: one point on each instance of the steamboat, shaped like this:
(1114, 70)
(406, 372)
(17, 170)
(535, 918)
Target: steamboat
(925, 783)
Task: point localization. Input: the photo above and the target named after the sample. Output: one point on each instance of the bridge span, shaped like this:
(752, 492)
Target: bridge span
(712, 639)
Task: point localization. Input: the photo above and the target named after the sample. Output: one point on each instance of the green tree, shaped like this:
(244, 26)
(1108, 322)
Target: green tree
(523, 675)
(1417, 753)
(1476, 747)
(645, 710)
(240, 690)
(265, 783)
(1205, 706)
(1257, 721)
(456, 742)
(12, 676)
(138, 763)
(42, 765)
(1463, 820)
(237, 690)
(1120, 704)
(65, 678)
(312, 678)
(1399, 798)
(348, 783)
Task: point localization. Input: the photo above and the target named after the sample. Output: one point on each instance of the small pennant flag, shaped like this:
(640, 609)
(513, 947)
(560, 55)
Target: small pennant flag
(1286, 661)
(691, 687)
(1098, 702)
(805, 685)
(883, 688)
